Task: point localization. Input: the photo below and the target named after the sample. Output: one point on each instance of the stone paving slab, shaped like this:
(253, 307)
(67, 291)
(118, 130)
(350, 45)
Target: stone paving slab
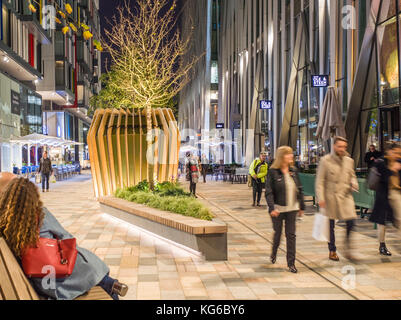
(154, 269)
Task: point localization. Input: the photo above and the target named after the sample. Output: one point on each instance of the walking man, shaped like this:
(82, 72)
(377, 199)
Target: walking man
(335, 182)
(258, 171)
(45, 169)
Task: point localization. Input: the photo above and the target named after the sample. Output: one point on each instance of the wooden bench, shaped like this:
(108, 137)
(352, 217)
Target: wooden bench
(207, 237)
(14, 285)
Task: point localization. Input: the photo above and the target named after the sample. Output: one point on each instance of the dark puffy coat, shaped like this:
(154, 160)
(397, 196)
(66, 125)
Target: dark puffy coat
(382, 211)
(276, 192)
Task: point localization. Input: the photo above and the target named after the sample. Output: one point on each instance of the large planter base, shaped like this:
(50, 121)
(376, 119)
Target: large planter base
(208, 238)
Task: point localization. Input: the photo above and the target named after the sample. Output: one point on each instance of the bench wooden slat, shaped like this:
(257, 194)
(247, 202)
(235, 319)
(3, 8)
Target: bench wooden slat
(96, 293)
(21, 286)
(14, 285)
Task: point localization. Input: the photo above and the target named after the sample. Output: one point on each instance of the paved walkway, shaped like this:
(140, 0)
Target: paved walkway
(154, 269)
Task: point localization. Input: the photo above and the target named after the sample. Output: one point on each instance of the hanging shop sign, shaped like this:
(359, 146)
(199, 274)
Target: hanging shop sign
(219, 125)
(15, 103)
(266, 105)
(320, 81)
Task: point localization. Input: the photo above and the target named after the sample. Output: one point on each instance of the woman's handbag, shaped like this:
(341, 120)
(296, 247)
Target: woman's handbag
(38, 178)
(59, 254)
(321, 228)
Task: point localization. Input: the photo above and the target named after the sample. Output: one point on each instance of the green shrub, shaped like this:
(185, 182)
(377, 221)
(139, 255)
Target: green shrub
(167, 197)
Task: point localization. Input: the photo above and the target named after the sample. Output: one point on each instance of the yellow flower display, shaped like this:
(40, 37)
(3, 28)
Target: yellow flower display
(62, 14)
(73, 27)
(32, 8)
(68, 8)
(65, 29)
(87, 35)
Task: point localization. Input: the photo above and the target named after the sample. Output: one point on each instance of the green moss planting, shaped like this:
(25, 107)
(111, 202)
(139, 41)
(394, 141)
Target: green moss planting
(167, 197)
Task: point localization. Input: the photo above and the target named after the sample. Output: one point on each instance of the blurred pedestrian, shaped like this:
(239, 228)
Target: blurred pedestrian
(193, 172)
(205, 167)
(387, 208)
(258, 171)
(45, 169)
(335, 182)
(372, 156)
(285, 199)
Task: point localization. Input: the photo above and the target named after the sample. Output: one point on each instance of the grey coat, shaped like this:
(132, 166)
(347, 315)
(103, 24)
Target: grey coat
(89, 270)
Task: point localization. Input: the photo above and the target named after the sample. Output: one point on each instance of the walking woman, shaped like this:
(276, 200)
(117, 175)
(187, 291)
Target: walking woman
(387, 208)
(23, 220)
(285, 199)
(193, 173)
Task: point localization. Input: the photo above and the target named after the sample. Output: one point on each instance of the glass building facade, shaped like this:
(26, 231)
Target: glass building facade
(269, 50)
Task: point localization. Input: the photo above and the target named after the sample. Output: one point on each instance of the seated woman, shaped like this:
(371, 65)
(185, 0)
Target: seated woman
(22, 215)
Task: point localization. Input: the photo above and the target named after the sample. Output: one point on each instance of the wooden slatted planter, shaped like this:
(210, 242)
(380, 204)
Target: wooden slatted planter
(207, 237)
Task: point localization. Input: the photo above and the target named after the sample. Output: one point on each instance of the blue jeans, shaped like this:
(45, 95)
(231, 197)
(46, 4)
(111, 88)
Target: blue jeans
(45, 181)
(107, 285)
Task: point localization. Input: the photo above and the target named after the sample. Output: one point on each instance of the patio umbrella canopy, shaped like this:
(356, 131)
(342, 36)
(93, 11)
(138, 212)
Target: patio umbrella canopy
(41, 140)
(331, 122)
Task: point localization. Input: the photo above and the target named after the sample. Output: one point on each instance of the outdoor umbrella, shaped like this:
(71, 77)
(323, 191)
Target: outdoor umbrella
(331, 122)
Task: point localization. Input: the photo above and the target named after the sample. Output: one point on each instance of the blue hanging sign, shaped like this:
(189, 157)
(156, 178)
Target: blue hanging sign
(266, 105)
(219, 125)
(320, 81)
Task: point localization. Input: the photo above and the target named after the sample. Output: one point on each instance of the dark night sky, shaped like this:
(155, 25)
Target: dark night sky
(108, 8)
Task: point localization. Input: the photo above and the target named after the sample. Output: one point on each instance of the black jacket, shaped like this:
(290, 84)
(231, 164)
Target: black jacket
(382, 211)
(276, 189)
(45, 166)
(376, 155)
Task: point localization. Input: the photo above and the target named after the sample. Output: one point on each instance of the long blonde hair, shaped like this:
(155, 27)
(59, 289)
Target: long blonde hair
(280, 154)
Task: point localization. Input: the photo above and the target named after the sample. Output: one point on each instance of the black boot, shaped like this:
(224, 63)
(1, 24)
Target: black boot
(384, 251)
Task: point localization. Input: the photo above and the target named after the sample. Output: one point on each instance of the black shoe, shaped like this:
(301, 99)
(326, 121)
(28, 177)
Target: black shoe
(43, 190)
(258, 205)
(384, 251)
(292, 269)
(254, 205)
(273, 259)
(120, 288)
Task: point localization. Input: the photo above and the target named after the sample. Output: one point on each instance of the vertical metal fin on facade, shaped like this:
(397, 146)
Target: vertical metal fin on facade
(364, 84)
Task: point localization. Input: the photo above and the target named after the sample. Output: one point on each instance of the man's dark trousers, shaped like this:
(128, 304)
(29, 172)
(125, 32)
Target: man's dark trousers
(45, 181)
(257, 190)
(332, 244)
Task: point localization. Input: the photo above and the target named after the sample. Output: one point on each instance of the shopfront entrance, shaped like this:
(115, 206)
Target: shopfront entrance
(390, 125)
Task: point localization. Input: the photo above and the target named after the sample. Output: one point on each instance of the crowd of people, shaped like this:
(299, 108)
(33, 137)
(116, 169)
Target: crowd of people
(336, 182)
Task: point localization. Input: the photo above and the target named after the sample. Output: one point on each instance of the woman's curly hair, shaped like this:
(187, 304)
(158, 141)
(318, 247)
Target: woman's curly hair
(21, 215)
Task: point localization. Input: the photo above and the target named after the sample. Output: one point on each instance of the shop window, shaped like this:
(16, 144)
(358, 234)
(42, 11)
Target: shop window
(388, 64)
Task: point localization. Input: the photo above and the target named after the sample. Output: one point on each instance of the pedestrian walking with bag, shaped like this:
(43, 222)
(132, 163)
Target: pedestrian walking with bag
(193, 172)
(335, 183)
(285, 199)
(385, 180)
(258, 172)
(45, 169)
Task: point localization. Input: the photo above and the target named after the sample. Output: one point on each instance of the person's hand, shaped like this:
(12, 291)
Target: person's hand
(322, 204)
(301, 213)
(372, 159)
(275, 214)
(255, 176)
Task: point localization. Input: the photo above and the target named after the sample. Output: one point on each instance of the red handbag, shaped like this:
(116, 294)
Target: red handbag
(59, 254)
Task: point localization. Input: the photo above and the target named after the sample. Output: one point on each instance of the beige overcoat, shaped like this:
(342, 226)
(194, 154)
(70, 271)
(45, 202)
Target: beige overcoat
(335, 182)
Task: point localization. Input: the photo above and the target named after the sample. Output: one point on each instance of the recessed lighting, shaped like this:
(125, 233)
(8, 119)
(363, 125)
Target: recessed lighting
(6, 59)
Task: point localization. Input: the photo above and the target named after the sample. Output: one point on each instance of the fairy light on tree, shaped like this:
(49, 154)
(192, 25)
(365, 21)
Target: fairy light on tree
(150, 60)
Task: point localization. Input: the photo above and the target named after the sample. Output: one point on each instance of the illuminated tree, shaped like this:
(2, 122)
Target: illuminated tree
(150, 61)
